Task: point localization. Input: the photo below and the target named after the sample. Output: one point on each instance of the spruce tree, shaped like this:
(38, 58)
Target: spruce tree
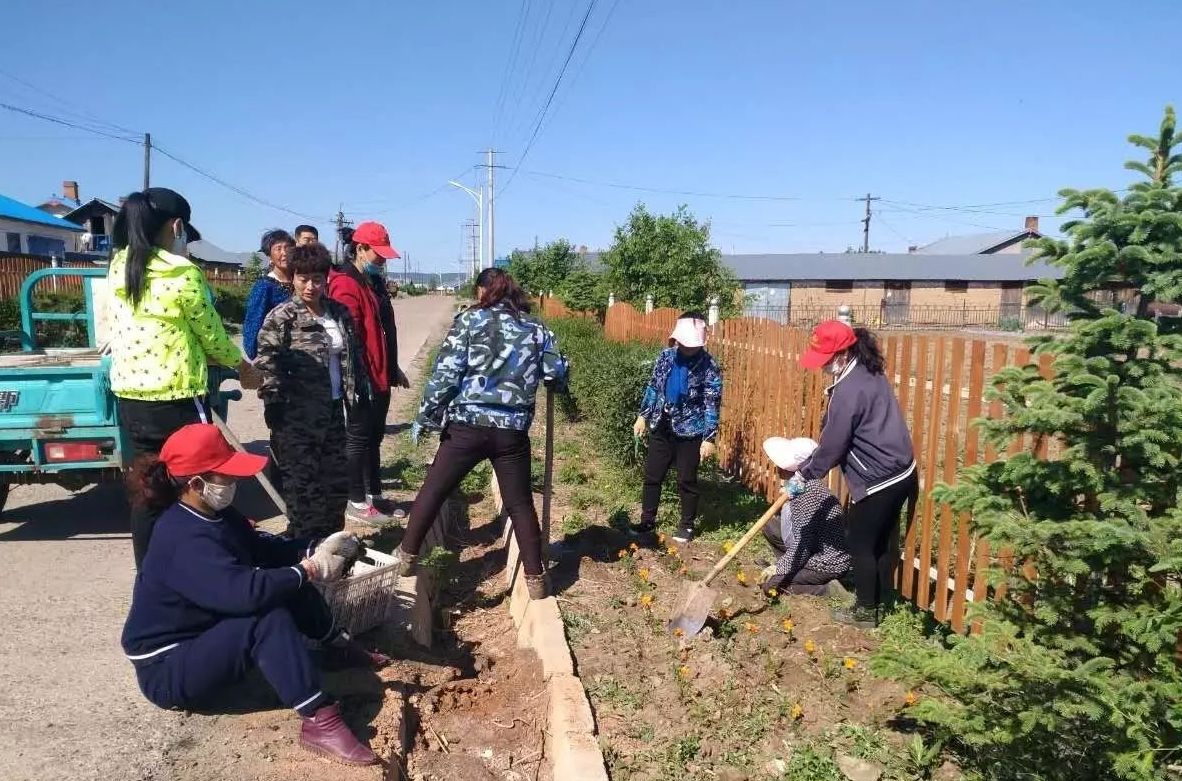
(1075, 673)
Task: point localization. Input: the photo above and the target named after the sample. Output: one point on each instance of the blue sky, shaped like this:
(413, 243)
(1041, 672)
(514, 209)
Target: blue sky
(376, 104)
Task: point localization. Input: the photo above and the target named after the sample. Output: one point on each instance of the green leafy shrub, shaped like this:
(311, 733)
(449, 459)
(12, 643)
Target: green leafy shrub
(1075, 675)
(230, 302)
(607, 383)
(49, 333)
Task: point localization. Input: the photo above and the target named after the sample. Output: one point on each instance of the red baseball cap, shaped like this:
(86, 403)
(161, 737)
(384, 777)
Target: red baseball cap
(200, 448)
(375, 235)
(829, 338)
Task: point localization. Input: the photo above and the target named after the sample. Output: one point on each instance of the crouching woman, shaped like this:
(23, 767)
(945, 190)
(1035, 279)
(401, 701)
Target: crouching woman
(214, 597)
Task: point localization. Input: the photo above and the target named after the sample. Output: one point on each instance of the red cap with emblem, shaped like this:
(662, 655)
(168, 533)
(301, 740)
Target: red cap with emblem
(828, 339)
(200, 448)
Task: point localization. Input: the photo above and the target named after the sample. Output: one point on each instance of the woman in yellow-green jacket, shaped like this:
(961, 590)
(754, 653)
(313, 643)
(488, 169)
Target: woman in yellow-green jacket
(165, 330)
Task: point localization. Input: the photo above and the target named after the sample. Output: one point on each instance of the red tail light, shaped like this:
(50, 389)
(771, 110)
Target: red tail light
(59, 452)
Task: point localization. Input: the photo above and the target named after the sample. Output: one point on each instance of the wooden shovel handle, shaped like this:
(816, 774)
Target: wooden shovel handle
(742, 543)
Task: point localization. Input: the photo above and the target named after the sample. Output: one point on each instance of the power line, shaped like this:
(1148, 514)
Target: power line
(233, 188)
(510, 64)
(550, 98)
(82, 115)
(661, 190)
(66, 123)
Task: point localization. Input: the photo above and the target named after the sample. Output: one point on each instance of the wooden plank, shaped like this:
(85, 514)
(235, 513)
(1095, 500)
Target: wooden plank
(906, 361)
(928, 469)
(915, 417)
(971, 448)
(951, 441)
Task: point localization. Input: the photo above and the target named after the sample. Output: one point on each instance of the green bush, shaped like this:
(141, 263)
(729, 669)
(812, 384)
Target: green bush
(607, 383)
(230, 302)
(49, 334)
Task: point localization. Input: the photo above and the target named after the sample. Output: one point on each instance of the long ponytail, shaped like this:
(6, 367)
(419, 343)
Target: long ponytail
(866, 350)
(136, 227)
(150, 485)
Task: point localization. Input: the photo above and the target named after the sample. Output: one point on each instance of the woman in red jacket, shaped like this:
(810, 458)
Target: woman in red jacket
(348, 285)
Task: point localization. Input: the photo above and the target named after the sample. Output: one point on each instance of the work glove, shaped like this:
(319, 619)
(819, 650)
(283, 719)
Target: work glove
(274, 413)
(707, 450)
(342, 543)
(640, 426)
(766, 573)
(326, 566)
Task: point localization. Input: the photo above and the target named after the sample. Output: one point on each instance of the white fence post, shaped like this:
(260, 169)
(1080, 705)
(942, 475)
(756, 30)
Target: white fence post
(713, 315)
(844, 315)
(648, 303)
(611, 300)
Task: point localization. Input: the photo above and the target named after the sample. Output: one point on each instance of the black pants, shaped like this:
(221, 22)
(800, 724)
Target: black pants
(148, 424)
(665, 449)
(186, 676)
(806, 581)
(363, 447)
(872, 536)
(461, 449)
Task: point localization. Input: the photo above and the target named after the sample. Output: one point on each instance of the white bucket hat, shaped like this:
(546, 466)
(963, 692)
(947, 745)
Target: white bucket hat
(689, 332)
(789, 454)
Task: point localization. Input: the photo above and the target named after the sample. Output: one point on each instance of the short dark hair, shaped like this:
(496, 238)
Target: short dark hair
(309, 259)
(306, 229)
(692, 314)
(273, 237)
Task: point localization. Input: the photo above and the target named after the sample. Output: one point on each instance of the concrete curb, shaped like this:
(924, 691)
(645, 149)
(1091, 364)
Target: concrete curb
(571, 737)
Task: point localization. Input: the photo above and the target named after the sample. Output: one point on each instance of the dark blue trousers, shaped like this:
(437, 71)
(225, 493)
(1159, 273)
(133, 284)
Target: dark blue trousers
(187, 675)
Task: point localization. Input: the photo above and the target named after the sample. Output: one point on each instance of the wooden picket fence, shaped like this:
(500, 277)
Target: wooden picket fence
(940, 383)
(15, 268)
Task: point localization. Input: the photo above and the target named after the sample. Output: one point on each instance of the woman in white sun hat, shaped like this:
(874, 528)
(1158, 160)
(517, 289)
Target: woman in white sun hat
(809, 535)
(680, 413)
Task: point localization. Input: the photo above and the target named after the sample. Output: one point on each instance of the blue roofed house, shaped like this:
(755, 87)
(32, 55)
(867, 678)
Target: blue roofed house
(27, 230)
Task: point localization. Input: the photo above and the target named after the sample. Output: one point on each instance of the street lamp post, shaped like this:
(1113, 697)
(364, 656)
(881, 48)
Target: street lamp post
(479, 198)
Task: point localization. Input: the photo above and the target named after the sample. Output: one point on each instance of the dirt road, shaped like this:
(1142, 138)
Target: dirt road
(69, 705)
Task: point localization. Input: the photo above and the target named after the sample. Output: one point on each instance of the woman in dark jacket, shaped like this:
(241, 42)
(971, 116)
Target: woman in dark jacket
(215, 597)
(268, 291)
(864, 433)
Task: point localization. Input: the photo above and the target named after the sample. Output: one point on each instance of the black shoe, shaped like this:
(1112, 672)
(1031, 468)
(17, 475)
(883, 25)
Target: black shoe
(645, 534)
(684, 534)
(861, 617)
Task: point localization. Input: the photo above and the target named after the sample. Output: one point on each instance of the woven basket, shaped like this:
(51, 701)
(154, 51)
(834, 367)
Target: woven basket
(368, 597)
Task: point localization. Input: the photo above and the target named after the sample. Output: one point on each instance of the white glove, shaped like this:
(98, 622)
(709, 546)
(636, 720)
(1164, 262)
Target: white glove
(326, 566)
(766, 573)
(343, 544)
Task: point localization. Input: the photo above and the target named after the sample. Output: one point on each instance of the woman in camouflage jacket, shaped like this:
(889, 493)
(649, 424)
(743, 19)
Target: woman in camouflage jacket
(481, 395)
(313, 380)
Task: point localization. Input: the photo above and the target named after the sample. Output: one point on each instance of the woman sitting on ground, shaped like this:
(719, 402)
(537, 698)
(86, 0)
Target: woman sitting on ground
(481, 395)
(809, 535)
(215, 597)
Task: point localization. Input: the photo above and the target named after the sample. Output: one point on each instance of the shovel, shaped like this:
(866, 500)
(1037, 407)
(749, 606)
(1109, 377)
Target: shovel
(700, 597)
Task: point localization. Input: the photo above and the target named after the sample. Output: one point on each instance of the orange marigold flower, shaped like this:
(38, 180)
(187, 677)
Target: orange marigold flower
(771, 592)
(672, 551)
(850, 663)
(643, 573)
(788, 625)
(911, 698)
(646, 599)
(797, 712)
(810, 647)
(750, 627)
(683, 671)
(679, 632)
(741, 577)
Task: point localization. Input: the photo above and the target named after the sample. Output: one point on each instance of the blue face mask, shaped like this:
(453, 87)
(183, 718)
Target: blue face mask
(375, 269)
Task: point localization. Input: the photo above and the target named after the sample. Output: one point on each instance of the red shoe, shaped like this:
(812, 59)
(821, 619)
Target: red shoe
(353, 654)
(326, 734)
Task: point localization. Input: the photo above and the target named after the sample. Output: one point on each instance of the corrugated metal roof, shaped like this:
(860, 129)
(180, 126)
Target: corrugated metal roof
(212, 253)
(15, 210)
(912, 266)
(972, 244)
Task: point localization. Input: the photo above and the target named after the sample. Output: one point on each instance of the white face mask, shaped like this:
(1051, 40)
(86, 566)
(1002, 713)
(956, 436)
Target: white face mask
(180, 244)
(837, 366)
(218, 496)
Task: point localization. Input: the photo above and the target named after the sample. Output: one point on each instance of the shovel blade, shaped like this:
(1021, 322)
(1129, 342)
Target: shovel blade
(694, 610)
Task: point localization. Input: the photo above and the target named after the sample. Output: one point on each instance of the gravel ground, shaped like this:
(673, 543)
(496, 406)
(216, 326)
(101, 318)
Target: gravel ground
(69, 705)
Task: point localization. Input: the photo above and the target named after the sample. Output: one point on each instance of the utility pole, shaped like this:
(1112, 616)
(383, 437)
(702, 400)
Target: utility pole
(866, 223)
(492, 229)
(341, 223)
(147, 159)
